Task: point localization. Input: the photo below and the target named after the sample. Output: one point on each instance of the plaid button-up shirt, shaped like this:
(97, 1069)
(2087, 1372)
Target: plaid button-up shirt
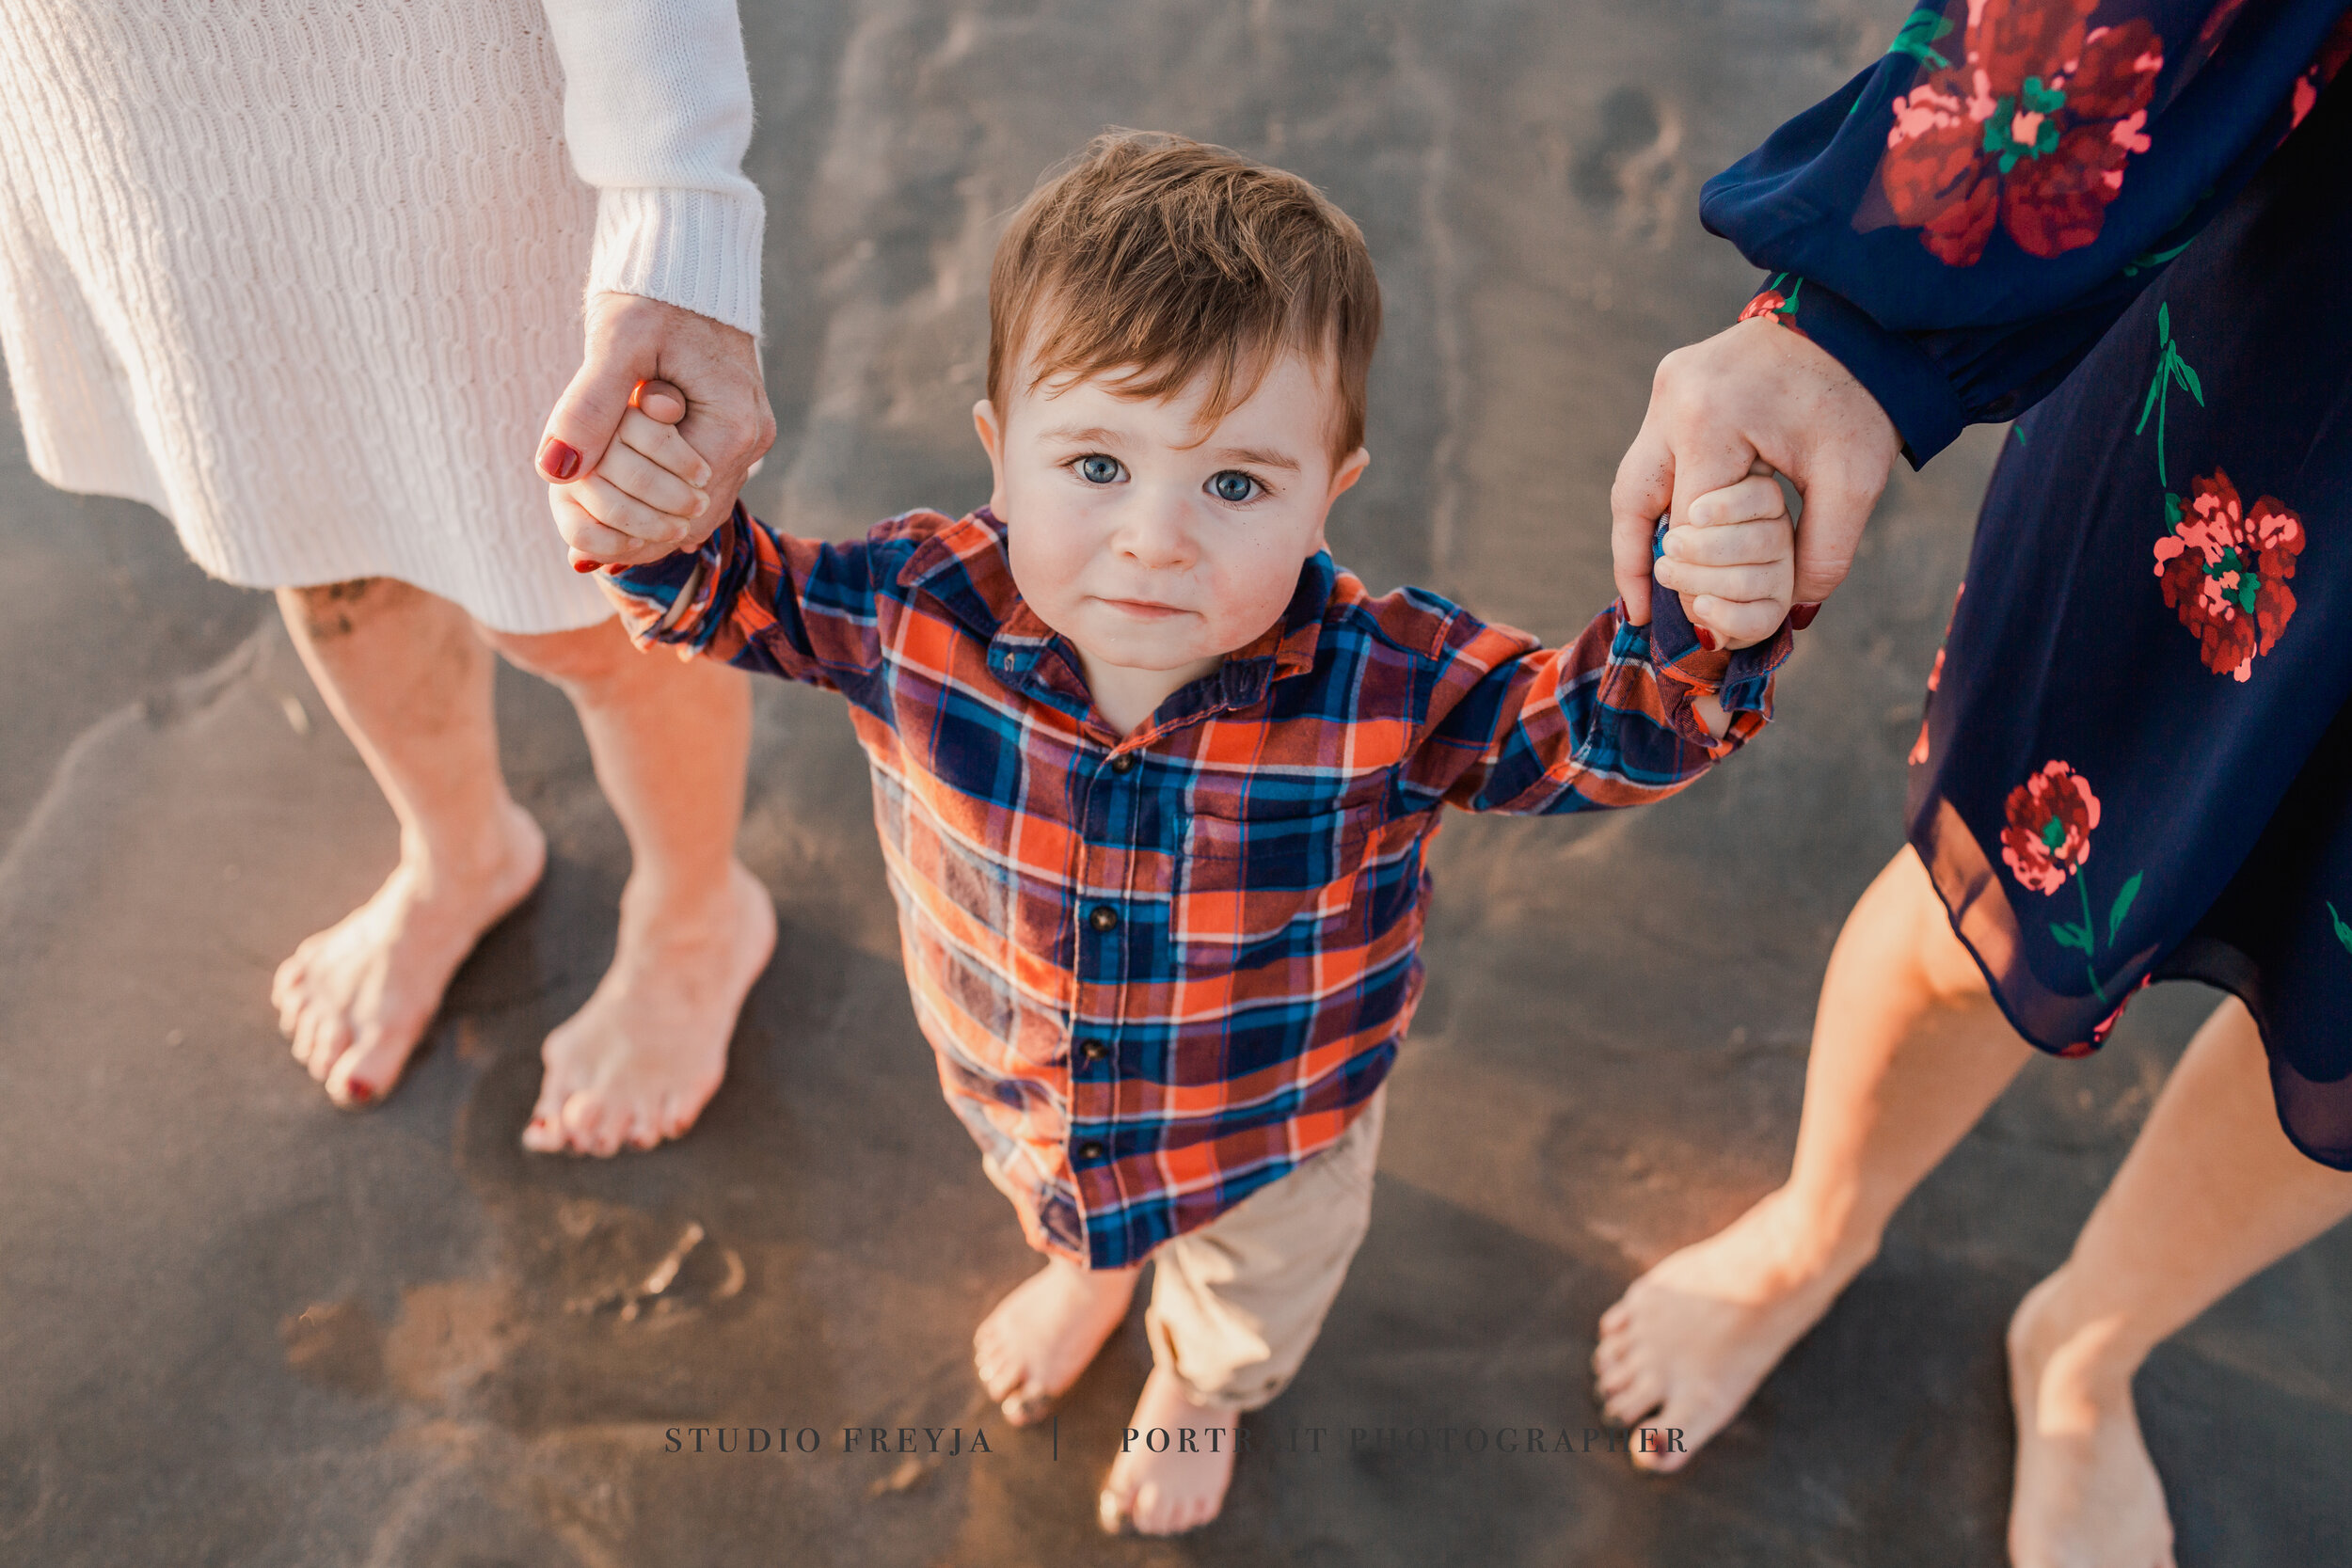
(1161, 970)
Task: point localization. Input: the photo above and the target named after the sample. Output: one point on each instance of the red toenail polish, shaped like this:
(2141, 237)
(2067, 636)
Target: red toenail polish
(557, 460)
(1801, 616)
(587, 565)
(1707, 639)
(359, 1091)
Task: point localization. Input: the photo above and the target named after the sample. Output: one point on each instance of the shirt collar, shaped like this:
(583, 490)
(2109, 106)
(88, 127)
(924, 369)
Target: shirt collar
(964, 568)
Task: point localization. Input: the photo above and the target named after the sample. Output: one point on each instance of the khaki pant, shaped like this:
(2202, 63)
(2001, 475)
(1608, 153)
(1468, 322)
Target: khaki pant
(1236, 1305)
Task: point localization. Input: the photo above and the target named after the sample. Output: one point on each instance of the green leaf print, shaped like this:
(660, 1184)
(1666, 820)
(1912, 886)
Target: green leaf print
(1919, 30)
(2172, 371)
(2149, 260)
(2344, 932)
(2075, 936)
(2123, 905)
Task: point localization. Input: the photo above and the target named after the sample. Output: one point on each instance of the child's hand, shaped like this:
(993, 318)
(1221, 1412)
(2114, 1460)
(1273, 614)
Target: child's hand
(646, 500)
(1732, 555)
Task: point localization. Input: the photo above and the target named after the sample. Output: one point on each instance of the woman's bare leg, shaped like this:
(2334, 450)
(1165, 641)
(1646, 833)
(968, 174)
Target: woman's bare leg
(1908, 1052)
(670, 740)
(405, 677)
(2211, 1193)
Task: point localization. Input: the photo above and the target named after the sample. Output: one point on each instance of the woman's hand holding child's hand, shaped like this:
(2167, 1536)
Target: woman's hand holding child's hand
(1732, 555)
(645, 500)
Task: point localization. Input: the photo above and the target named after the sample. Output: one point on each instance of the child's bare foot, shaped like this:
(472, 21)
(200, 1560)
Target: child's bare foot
(638, 1062)
(356, 997)
(1032, 1347)
(1181, 1486)
(2086, 1493)
(1690, 1340)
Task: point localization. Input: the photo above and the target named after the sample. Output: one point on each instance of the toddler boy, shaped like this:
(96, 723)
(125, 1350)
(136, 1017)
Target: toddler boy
(1154, 778)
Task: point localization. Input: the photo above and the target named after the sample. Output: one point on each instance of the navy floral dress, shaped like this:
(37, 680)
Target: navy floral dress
(2128, 226)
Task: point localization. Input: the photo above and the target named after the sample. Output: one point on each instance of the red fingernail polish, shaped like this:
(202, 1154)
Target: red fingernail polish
(615, 569)
(1801, 616)
(1707, 639)
(587, 565)
(558, 461)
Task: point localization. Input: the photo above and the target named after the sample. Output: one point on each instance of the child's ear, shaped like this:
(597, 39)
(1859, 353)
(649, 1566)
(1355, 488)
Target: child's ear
(1343, 479)
(991, 437)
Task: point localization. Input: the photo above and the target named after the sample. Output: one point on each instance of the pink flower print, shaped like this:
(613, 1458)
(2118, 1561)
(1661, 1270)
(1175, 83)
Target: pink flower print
(2030, 131)
(2224, 571)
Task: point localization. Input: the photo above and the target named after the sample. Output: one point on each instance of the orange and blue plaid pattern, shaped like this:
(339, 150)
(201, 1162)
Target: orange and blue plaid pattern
(1161, 970)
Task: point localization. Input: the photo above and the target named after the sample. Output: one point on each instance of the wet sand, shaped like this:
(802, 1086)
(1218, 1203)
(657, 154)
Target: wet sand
(242, 1329)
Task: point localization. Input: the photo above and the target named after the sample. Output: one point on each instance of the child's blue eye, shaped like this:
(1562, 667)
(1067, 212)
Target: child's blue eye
(1099, 470)
(1232, 486)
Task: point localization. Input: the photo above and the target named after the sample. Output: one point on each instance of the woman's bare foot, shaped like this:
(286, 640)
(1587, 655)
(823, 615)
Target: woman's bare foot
(356, 997)
(1181, 1485)
(2086, 1493)
(1690, 1340)
(1032, 1347)
(638, 1062)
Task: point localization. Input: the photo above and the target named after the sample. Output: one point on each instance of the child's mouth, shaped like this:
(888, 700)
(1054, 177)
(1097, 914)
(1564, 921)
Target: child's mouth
(1144, 609)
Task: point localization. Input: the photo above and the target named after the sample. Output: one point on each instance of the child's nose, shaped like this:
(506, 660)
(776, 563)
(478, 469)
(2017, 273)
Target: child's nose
(1158, 531)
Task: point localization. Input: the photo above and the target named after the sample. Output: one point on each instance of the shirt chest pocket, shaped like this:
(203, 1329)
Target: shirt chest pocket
(1265, 890)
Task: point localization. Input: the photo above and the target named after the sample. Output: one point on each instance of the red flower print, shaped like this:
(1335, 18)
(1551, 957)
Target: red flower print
(2050, 818)
(2334, 50)
(2030, 130)
(1935, 677)
(2106, 1026)
(2225, 569)
(1772, 305)
(1919, 752)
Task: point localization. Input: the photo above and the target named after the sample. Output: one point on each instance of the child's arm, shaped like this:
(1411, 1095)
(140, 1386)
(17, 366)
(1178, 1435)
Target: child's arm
(763, 600)
(749, 594)
(646, 500)
(1624, 715)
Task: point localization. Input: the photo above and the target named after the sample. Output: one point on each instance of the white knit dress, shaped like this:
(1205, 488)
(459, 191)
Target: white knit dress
(306, 278)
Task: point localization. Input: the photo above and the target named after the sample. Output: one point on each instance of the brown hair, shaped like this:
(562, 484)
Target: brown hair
(1173, 256)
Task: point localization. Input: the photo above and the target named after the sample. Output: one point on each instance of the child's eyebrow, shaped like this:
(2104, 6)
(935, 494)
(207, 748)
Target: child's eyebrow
(1258, 456)
(1100, 435)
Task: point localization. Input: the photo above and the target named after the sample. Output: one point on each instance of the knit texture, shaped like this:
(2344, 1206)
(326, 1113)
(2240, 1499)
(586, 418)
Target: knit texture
(306, 278)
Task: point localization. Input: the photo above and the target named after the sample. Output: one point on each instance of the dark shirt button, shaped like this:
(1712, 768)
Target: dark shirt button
(1104, 918)
(1123, 763)
(1091, 1149)
(1093, 1051)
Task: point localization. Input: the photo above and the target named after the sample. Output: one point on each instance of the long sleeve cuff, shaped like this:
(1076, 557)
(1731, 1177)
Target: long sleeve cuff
(679, 600)
(1927, 412)
(697, 249)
